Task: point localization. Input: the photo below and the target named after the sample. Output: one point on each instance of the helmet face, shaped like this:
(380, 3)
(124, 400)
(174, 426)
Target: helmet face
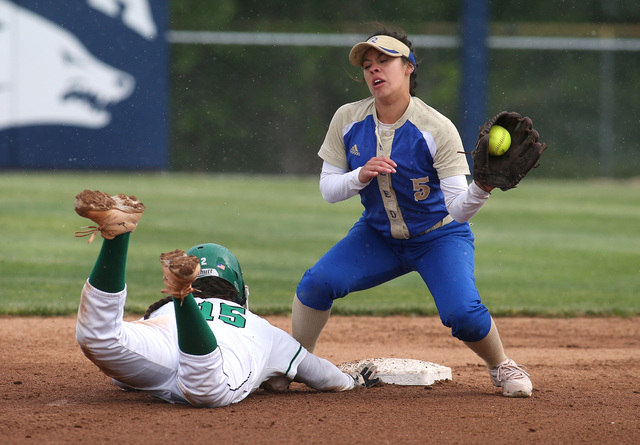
(218, 261)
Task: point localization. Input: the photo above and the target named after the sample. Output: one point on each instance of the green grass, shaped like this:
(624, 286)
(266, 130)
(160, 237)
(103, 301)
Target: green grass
(549, 248)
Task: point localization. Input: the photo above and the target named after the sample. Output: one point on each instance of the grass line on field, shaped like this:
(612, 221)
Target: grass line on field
(548, 248)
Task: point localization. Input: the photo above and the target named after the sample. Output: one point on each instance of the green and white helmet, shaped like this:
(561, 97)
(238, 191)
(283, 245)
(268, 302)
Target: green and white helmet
(218, 261)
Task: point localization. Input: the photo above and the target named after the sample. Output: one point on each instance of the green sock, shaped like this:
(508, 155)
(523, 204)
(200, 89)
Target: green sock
(108, 274)
(194, 335)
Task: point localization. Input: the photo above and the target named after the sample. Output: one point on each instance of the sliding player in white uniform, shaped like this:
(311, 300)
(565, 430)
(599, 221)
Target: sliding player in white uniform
(208, 351)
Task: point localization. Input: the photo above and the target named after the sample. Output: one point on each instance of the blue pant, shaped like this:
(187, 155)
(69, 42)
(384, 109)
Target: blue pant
(444, 258)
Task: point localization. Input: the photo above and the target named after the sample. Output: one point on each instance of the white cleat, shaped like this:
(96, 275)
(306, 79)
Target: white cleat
(513, 379)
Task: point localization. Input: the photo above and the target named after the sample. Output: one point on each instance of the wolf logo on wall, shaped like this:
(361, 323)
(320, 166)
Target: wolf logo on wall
(48, 77)
(136, 14)
(83, 84)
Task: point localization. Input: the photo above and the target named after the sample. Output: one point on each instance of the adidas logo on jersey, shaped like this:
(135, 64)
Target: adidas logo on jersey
(354, 150)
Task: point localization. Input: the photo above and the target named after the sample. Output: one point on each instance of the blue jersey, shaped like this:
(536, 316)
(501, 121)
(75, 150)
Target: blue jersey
(424, 144)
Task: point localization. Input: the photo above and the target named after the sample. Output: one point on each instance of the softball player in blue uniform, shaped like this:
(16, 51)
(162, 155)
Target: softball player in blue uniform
(405, 160)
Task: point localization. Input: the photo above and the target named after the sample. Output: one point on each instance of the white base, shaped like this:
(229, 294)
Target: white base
(403, 371)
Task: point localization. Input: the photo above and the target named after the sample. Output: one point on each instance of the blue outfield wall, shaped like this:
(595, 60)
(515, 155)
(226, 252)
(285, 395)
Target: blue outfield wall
(83, 84)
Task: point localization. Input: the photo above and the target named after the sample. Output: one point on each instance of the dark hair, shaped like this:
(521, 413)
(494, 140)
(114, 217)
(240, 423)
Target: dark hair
(401, 36)
(206, 287)
(215, 287)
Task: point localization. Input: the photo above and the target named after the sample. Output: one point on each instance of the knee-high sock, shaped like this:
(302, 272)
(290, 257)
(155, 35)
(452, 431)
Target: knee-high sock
(108, 272)
(489, 348)
(194, 335)
(307, 323)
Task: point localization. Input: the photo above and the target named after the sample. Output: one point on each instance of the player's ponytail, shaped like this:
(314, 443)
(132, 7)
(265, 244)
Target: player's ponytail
(206, 287)
(157, 305)
(215, 287)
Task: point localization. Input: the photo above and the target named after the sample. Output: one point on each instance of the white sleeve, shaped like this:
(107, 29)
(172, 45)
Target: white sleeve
(463, 201)
(137, 354)
(322, 375)
(338, 184)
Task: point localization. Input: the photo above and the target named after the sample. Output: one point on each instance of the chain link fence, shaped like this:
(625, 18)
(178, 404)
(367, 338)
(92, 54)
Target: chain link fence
(261, 102)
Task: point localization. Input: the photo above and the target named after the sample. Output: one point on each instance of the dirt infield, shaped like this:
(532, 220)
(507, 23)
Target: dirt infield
(585, 372)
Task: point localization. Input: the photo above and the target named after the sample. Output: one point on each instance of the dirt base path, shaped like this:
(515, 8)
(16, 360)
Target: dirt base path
(585, 372)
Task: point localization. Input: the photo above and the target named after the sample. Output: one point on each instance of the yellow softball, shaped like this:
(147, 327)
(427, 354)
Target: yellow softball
(499, 140)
